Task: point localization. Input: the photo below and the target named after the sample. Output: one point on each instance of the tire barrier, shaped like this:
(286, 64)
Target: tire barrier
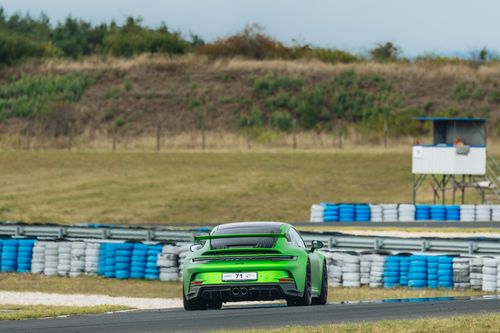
(24, 255)
(476, 273)
(377, 271)
(390, 212)
(422, 212)
(168, 261)
(467, 213)
(365, 263)
(124, 260)
(407, 213)
(438, 213)
(376, 212)
(414, 271)
(490, 274)
(392, 271)
(138, 262)
(452, 213)
(344, 212)
(445, 272)
(461, 273)
(495, 213)
(350, 272)
(432, 272)
(9, 255)
(64, 258)
(483, 213)
(347, 213)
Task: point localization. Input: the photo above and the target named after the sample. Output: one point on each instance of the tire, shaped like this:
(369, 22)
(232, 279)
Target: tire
(192, 305)
(214, 305)
(306, 298)
(323, 296)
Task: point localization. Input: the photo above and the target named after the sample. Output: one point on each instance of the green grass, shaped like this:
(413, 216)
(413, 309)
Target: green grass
(158, 289)
(19, 312)
(172, 188)
(483, 323)
(204, 188)
(87, 285)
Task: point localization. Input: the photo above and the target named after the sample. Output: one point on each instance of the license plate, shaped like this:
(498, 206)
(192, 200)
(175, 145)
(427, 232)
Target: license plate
(239, 276)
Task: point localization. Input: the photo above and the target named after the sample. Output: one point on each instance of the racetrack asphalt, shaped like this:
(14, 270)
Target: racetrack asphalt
(260, 316)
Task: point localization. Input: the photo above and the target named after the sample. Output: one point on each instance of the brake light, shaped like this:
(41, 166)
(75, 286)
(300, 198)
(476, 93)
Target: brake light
(196, 282)
(289, 280)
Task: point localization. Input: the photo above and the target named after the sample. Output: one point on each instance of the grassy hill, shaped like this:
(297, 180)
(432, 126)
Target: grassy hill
(54, 101)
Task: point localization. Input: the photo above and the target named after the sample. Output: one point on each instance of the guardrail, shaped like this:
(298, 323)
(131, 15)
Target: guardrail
(449, 246)
(336, 241)
(91, 232)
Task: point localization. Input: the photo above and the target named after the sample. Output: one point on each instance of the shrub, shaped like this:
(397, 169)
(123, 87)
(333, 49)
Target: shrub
(463, 91)
(249, 43)
(30, 95)
(257, 118)
(280, 120)
(128, 85)
(273, 84)
(385, 52)
(280, 101)
(120, 122)
(331, 55)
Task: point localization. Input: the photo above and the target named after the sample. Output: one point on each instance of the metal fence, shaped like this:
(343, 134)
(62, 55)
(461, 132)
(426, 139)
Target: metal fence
(331, 240)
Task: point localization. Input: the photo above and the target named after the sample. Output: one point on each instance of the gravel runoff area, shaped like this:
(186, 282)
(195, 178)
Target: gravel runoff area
(38, 298)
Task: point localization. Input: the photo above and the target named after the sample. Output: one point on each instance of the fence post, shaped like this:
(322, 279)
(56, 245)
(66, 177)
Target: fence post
(341, 134)
(203, 137)
(114, 139)
(28, 136)
(158, 137)
(70, 136)
(294, 133)
(247, 133)
(386, 128)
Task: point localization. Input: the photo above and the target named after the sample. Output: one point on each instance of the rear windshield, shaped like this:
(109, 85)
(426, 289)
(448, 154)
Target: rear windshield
(244, 242)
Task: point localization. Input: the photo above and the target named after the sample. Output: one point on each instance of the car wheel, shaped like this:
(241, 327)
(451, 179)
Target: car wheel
(323, 296)
(214, 305)
(193, 304)
(306, 299)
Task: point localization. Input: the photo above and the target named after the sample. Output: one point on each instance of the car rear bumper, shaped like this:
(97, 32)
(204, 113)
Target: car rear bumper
(244, 292)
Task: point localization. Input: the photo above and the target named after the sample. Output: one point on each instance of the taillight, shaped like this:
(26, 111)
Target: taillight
(196, 282)
(289, 280)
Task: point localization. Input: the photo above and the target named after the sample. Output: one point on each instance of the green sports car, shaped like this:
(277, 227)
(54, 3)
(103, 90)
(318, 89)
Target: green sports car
(253, 261)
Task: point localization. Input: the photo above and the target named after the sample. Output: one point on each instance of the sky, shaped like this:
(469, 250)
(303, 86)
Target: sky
(418, 27)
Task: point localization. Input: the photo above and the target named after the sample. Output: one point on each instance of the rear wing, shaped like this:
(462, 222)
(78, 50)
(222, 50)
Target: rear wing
(203, 238)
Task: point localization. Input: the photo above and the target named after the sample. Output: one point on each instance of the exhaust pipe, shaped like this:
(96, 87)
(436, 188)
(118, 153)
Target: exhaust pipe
(236, 291)
(244, 291)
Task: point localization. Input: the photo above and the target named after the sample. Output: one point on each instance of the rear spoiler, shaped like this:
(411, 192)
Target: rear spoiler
(203, 238)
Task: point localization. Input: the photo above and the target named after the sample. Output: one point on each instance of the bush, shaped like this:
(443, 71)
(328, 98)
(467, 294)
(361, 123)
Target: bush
(311, 107)
(120, 122)
(463, 91)
(280, 120)
(128, 85)
(272, 84)
(280, 101)
(31, 95)
(331, 55)
(385, 52)
(257, 118)
(249, 43)
(14, 47)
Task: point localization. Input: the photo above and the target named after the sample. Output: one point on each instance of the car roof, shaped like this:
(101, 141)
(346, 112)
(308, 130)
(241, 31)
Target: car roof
(235, 225)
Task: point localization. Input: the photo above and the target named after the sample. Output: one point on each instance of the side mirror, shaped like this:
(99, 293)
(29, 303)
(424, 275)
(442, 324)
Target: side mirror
(316, 245)
(195, 247)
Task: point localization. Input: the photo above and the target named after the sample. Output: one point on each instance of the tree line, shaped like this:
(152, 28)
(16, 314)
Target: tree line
(24, 36)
